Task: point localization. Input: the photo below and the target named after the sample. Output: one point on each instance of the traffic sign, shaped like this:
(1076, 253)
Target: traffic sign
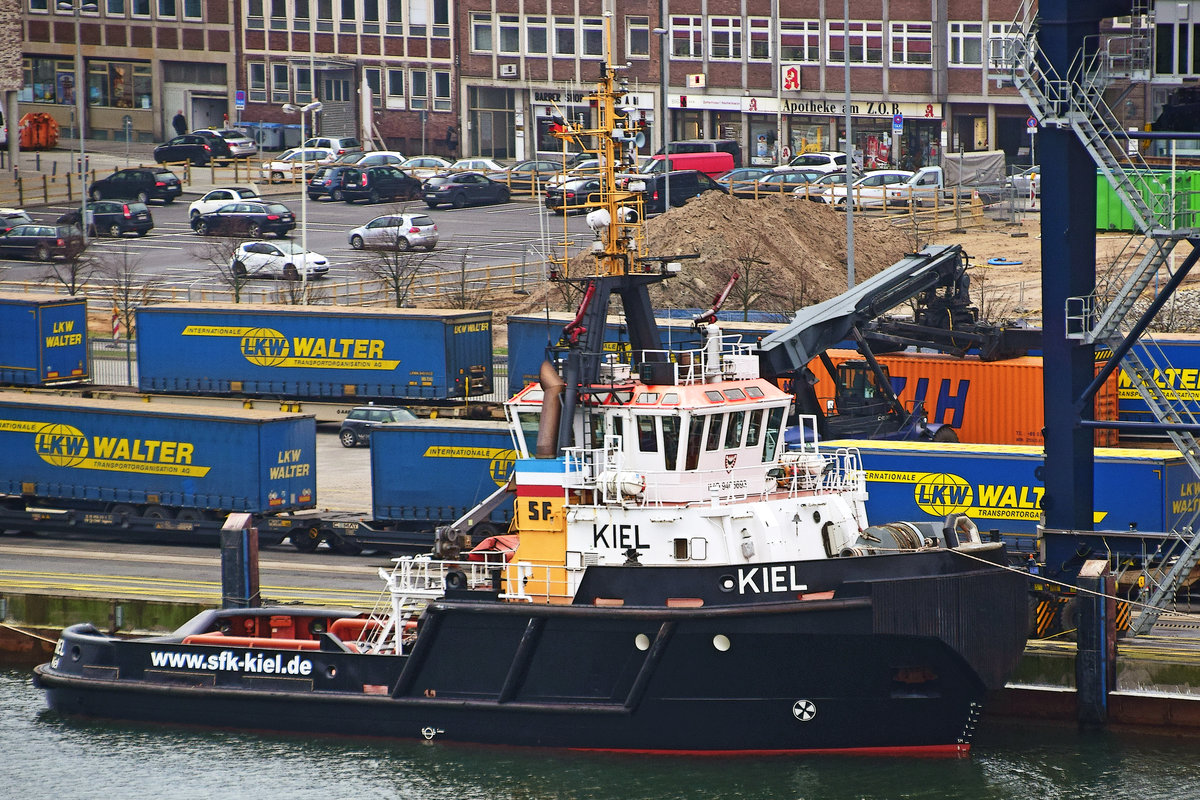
(239, 100)
(1031, 124)
(898, 123)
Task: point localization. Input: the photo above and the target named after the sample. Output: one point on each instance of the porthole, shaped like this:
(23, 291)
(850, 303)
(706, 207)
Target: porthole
(721, 642)
(331, 672)
(642, 642)
(726, 583)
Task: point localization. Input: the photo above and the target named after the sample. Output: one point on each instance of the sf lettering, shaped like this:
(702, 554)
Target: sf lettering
(540, 510)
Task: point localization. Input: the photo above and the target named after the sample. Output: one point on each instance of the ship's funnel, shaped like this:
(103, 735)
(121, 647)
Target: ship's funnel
(552, 388)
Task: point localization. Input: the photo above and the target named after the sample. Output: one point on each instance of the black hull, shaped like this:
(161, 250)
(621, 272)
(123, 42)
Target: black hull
(799, 675)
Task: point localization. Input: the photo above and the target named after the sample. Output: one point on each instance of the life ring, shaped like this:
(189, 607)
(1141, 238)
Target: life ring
(1003, 262)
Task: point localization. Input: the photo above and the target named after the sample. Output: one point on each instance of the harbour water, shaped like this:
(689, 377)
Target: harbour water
(47, 755)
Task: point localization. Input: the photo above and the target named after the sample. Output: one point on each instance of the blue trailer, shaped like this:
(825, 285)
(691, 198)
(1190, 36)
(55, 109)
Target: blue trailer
(529, 336)
(314, 352)
(1177, 356)
(425, 474)
(43, 340)
(1000, 487)
(135, 470)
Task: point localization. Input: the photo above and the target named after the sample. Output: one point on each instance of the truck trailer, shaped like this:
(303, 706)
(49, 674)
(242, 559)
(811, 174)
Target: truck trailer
(43, 340)
(124, 469)
(314, 352)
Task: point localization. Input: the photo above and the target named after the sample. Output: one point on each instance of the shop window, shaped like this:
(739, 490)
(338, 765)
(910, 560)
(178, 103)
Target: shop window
(510, 34)
(800, 40)
(637, 37)
(966, 43)
(47, 80)
(257, 76)
(535, 35)
(395, 18)
(395, 89)
(419, 83)
(760, 39)
(564, 36)
(481, 32)
(687, 37)
(441, 90)
(118, 84)
(280, 90)
(725, 38)
(593, 36)
(912, 43)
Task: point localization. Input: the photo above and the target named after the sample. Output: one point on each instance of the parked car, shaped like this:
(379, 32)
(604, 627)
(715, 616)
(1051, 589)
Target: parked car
(221, 151)
(138, 183)
(190, 147)
(823, 161)
(253, 218)
(573, 195)
(815, 190)
(463, 188)
(424, 166)
(778, 183)
(216, 198)
(373, 158)
(41, 242)
(379, 183)
(239, 142)
(119, 217)
(396, 231)
(12, 217)
(281, 260)
(477, 164)
(684, 185)
(338, 144)
(358, 424)
(584, 168)
(524, 174)
(741, 177)
(327, 181)
(869, 191)
(295, 163)
(730, 146)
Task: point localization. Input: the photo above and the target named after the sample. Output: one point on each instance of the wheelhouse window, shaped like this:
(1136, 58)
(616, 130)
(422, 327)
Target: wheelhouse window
(713, 440)
(771, 440)
(670, 429)
(733, 430)
(647, 434)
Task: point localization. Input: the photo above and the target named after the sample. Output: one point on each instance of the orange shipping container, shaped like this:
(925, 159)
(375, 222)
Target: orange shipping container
(987, 402)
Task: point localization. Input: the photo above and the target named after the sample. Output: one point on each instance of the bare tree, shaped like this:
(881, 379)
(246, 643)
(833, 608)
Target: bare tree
(75, 270)
(468, 293)
(129, 286)
(219, 252)
(301, 293)
(396, 266)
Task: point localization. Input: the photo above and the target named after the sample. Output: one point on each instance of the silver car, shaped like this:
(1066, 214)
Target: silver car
(396, 231)
(240, 143)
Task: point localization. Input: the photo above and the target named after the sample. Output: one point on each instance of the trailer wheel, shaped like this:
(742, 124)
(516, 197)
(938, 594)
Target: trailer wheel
(123, 510)
(306, 541)
(189, 514)
(945, 434)
(156, 512)
(344, 547)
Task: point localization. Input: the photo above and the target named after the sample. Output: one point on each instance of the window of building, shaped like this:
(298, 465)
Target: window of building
(687, 37)
(395, 89)
(141, 8)
(966, 43)
(535, 35)
(441, 90)
(419, 82)
(280, 90)
(760, 38)
(370, 16)
(999, 35)
(118, 84)
(254, 14)
(725, 38)
(116, 8)
(193, 9)
(257, 75)
(38, 6)
(481, 32)
(564, 36)
(278, 15)
(299, 15)
(863, 41)
(593, 36)
(418, 17)
(510, 33)
(47, 80)
(346, 23)
(637, 37)
(303, 85)
(800, 40)
(373, 75)
(336, 89)
(395, 18)
(325, 16)
(166, 9)
(441, 19)
(912, 43)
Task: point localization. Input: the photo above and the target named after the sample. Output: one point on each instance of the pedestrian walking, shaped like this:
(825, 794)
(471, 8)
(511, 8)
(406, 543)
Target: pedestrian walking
(179, 123)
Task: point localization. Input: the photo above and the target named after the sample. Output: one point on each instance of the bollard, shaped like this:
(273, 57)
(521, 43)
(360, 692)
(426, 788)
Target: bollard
(1096, 648)
(239, 563)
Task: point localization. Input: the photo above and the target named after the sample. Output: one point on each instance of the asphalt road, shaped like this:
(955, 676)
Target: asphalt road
(175, 256)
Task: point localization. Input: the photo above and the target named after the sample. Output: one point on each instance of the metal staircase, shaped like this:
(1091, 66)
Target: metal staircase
(1076, 101)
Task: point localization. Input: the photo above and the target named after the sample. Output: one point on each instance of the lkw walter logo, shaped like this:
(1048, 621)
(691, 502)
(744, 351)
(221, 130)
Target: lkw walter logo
(265, 347)
(61, 445)
(941, 493)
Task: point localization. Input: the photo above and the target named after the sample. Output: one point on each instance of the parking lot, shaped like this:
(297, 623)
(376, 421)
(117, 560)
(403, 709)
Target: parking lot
(515, 233)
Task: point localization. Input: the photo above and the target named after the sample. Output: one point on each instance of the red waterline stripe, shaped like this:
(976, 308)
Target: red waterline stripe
(924, 751)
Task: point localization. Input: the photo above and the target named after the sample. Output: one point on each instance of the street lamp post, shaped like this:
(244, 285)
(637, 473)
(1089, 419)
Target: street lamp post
(664, 125)
(75, 7)
(311, 108)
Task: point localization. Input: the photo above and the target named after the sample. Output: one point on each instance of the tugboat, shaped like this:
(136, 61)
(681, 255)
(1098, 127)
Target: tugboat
(674, 579)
